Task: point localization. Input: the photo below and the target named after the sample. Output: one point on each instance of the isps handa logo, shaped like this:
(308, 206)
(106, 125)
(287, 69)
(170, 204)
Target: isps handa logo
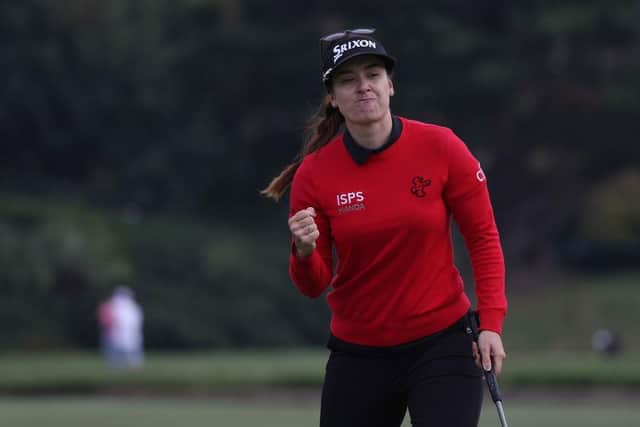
(350, 202)
(418, 186)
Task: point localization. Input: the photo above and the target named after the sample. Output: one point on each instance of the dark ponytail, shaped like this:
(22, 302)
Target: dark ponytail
(323, 127)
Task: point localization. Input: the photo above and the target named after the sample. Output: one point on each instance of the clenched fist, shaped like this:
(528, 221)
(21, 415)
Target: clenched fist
(305, 231)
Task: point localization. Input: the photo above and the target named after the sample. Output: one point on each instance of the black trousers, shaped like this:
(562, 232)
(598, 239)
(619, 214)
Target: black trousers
(435, 378)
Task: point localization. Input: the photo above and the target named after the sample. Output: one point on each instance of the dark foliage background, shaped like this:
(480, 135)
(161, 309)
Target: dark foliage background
(135, 136)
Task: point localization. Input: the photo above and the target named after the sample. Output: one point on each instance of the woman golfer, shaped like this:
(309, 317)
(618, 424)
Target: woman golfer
(372, 198)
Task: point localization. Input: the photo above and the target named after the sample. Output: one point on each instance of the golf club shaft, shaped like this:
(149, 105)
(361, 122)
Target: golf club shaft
(503, 419)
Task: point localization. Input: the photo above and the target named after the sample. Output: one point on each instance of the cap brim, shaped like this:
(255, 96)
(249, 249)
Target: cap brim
(389, 63)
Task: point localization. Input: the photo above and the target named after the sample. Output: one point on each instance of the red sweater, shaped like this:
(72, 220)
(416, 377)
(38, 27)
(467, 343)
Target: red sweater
(394, 278)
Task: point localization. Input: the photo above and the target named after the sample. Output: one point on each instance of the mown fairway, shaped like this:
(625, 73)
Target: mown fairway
(138, 412)
(280, 388)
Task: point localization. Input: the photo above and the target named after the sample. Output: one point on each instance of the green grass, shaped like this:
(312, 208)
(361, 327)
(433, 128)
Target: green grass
(572, 370)
(109, 412)
(561, 312)
(205, 372)
(83, 372)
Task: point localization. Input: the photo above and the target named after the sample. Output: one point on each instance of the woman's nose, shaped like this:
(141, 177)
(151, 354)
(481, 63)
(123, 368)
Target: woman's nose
(363, 84)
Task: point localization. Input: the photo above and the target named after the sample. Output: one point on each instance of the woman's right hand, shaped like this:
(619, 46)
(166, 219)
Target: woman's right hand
(305, 231)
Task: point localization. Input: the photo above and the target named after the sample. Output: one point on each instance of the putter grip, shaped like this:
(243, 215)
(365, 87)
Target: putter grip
(490, 376)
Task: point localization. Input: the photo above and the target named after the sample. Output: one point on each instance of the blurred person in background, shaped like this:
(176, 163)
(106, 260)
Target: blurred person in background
(372, 197)
(121, 318)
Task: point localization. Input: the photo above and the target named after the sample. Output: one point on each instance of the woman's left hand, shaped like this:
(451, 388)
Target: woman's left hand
(491, 349)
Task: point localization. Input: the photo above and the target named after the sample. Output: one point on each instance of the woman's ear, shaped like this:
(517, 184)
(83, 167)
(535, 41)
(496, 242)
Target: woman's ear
(391, 90)
(332, 100)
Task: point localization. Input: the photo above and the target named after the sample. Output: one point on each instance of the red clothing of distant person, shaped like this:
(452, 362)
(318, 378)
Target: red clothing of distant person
(105, 315)
(389, 220)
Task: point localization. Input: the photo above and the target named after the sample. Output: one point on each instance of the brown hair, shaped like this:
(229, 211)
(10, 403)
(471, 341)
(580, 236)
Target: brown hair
(322, 128)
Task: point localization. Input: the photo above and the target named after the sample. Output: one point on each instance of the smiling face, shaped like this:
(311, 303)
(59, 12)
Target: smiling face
(360, 89)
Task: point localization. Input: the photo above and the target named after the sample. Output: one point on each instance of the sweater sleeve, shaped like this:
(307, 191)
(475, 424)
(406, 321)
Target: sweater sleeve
(467, 196)
(311, 274)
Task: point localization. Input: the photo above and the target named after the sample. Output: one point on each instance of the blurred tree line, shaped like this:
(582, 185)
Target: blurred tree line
(135, 136)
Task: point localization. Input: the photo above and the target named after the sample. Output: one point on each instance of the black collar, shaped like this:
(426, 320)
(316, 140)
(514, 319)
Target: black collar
(360, 154)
